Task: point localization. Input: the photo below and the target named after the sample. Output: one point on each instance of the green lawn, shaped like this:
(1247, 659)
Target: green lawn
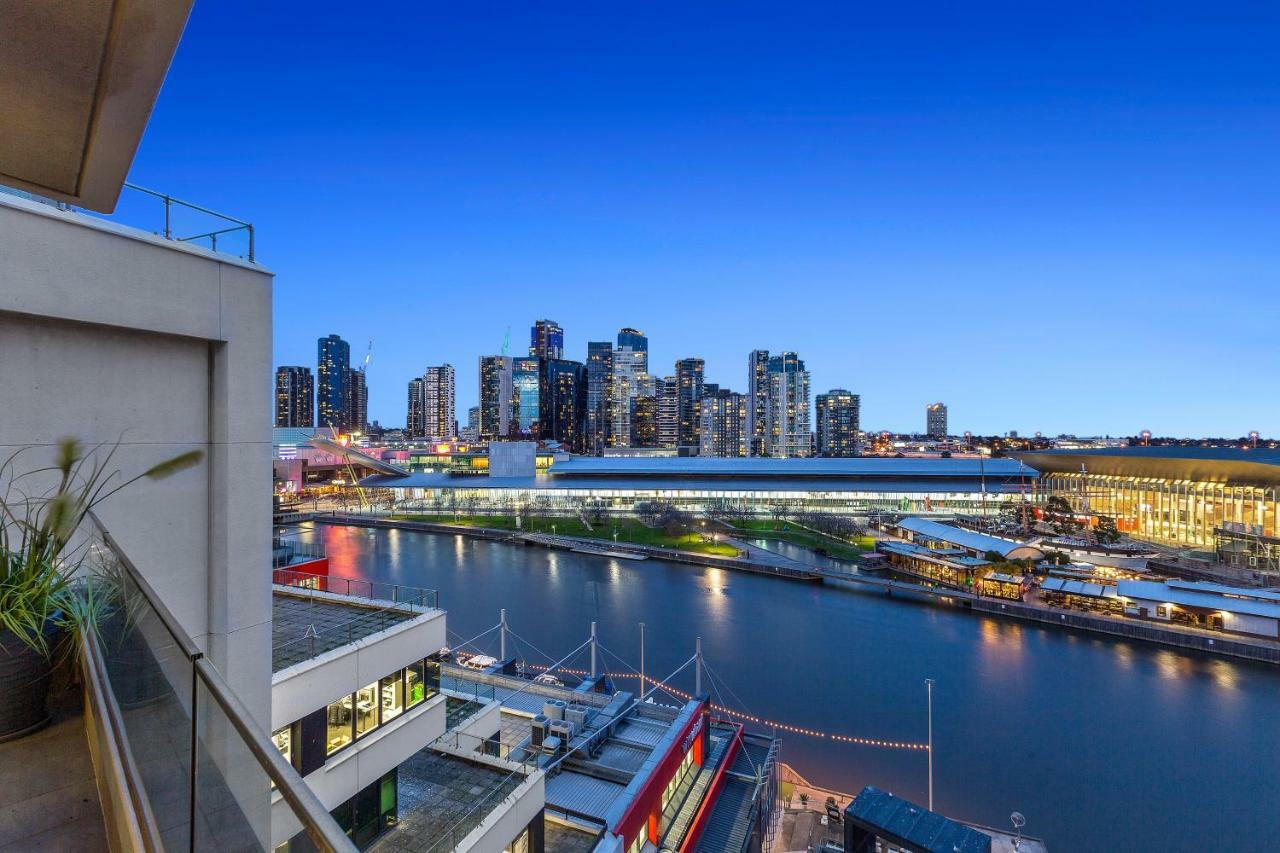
(788, 532)
(630, 530)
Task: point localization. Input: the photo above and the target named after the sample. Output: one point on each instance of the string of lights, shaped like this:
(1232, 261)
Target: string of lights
(751, 718)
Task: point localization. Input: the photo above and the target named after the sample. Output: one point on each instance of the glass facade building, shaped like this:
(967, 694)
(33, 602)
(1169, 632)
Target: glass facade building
(295, 397)
(546, 340)
(838, 423)
(1180, 497)
(599, 395)
(333, 365)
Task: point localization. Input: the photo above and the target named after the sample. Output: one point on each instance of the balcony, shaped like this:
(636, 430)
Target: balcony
(153, 751)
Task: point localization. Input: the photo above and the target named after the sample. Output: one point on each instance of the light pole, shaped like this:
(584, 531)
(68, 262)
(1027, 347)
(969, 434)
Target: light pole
(928, 683)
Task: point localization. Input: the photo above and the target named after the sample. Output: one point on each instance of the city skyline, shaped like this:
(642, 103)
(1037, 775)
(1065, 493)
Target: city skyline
(1021, 216)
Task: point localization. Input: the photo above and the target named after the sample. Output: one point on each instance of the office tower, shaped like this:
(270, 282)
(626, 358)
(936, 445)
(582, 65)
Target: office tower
(416, 415)
(758, 403)
(357, 401)
(525, 405)
(722, 427)
(636, 341)
(788, 409)
(837, 427)
(936, 420)
(438, 394)
(295, 397)
(473, 420)
(689, 381)
(599, 395)
(644, 421)
(667, 395)
(546, 340)
(630, 374)
(333, 363)
(564, 403)
(495, 397)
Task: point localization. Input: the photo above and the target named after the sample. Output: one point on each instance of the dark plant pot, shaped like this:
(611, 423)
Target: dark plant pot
(24, 686)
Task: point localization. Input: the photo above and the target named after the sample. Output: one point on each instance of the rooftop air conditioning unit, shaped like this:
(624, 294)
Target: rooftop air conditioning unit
(563, 729)
(541, 727)
(576, 714)
(554, 709)
(552, 745)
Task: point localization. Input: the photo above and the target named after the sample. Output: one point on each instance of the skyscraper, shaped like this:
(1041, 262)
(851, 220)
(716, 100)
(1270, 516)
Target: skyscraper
(546, 340)
(495, 397)
(413, 422)
(526, 405)
(936, 420)
(644, 421)
(837, 422)
(333, 363)
(356, 395)
(722, 429)
(630, 374)
(758, 403)
(563, 398)
(599, 395)
(295, 397)
(689, 381)
(788, 409)
(667, 402)
(438, 396)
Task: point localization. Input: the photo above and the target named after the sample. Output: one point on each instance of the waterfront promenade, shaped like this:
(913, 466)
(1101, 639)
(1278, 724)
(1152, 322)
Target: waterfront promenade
(763, 562)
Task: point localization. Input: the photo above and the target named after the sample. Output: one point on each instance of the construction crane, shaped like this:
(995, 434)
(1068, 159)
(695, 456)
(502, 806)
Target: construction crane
(368, 356)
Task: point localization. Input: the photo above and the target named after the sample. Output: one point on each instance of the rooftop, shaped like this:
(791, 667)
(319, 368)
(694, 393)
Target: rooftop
(442, 799)
(969, 539)
(306, 623)
(1195, 464)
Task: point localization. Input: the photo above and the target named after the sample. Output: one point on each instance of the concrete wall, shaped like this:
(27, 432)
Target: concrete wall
(501, 826)
(112, 335)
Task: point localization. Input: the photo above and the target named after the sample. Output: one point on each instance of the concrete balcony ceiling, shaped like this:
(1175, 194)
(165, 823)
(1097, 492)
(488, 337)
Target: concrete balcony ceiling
(78, 79)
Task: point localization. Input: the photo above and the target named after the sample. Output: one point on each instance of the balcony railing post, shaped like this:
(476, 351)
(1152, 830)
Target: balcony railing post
(250, 227)
(195, 751)
(168, 224)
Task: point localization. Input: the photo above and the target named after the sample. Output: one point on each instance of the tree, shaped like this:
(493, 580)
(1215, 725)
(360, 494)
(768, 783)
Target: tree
(1106, 532)
(993, 557)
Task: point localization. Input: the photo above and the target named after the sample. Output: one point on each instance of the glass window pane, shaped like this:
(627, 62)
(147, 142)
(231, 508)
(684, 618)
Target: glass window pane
(392, 696)
(366, 709)
(283, 738)
(339, 728)
(415, 683)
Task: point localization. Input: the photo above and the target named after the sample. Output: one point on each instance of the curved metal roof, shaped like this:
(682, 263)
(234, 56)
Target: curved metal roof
(1198, 464)
(862, 467)
(970, 539)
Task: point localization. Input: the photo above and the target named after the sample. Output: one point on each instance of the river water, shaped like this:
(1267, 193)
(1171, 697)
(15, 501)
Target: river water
(1103, 745)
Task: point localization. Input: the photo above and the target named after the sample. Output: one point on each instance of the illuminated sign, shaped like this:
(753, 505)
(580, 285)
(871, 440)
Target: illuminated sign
(694, 731)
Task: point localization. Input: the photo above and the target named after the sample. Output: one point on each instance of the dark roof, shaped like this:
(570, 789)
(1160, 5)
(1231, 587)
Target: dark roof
(729, 823)
(914, 827)
(859, 468)
(1200, 464)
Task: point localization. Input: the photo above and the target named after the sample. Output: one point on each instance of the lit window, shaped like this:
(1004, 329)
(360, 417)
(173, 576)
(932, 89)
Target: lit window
(366, 709)
(339, 725)
(392, 696)
(415, 683)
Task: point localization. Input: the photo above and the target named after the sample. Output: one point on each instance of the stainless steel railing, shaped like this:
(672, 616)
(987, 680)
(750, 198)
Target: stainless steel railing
(203, 765)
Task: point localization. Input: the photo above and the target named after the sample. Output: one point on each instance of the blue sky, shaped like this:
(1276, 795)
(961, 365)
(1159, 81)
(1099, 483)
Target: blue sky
(1059, 218)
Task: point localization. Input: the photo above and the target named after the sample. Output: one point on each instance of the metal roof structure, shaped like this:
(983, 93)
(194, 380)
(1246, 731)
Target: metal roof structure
(969, 539)
(862, 468)
(913, 827)
(1068, 586)
(353, 456)
(926, 485)
(1194, 464)
(1195, 595)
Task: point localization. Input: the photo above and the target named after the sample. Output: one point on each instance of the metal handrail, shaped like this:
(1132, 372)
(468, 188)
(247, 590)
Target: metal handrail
(317, 822)
(169, 201)
(322, 828)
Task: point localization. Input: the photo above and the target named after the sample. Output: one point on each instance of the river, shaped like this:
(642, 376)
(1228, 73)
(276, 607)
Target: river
(1102, 744)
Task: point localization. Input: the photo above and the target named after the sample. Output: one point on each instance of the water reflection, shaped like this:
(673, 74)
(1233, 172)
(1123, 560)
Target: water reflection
(1036, 718)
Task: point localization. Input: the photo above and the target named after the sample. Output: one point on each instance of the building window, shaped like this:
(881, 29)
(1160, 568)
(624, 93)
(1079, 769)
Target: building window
(520, 844)
(366, 709)
(392, 696)
(283, 739)
(415, 683)
(339, 724)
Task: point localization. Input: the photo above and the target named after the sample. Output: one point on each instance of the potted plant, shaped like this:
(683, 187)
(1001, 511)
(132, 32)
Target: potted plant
(46, 601)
